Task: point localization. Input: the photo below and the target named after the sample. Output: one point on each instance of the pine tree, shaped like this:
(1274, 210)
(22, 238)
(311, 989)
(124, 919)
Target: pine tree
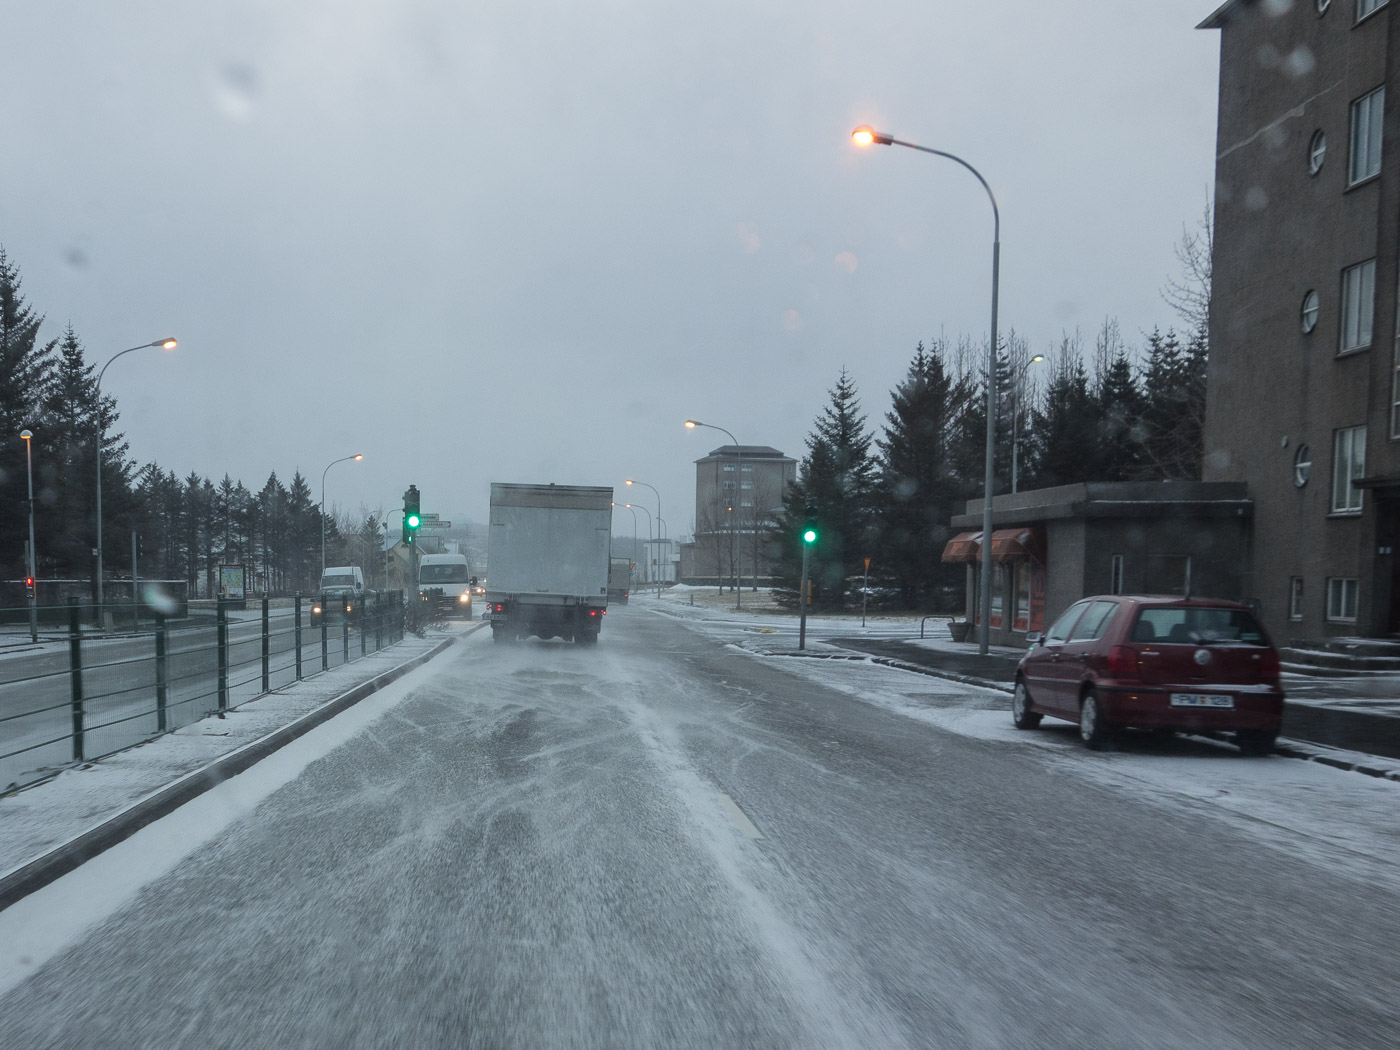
(838, 476)
(25, 364)
(918, 492)
(1174, 413)
(1066, 445)
(1122, 433)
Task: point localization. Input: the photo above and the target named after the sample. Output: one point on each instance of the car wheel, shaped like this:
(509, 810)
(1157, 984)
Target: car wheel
(1022, 717)
(1256, 742)
(1093, 728)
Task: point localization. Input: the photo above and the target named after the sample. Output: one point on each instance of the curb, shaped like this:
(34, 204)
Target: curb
(1286, 748)
(59, 861)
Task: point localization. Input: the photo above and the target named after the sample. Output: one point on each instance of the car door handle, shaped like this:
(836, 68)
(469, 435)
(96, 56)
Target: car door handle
(1055, 657)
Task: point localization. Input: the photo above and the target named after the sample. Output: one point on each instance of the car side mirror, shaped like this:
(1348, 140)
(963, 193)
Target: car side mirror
(1034, 638)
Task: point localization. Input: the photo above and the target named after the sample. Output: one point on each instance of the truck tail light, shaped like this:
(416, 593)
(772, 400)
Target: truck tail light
(1123, 661)
(500, 607)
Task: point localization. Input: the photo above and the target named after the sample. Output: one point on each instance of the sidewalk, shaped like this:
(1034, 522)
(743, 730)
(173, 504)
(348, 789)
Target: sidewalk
(1346, 713)
(50, 828)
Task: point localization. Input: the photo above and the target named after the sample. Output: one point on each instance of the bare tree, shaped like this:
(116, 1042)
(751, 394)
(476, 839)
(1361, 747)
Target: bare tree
(1189, 293)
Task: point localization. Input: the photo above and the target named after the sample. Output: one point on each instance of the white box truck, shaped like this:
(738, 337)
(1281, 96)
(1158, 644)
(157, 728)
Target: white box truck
(548, 549)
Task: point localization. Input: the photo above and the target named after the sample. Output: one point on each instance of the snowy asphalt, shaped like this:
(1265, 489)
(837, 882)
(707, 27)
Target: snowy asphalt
(663, 842)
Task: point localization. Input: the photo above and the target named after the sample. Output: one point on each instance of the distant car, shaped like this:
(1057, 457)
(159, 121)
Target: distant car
(1162, 663)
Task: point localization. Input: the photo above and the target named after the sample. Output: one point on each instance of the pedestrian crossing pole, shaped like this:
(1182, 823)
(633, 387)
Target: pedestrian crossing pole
(803, 598)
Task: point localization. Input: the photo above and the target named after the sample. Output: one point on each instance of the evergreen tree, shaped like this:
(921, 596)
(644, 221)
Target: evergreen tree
(69, 454)
(1122, 433)
(25, 364)
(1174, 383)
(1066, 445)
(838, 476)
(918, 491)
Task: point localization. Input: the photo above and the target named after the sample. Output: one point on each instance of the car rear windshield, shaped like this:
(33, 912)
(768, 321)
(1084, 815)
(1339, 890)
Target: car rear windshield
(1196, 626)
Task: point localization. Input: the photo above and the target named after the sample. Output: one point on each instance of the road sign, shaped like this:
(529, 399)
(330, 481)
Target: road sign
(436, 524)
(428, 518)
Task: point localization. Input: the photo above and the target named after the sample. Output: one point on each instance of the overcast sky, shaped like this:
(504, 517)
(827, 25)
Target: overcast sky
(523, 241)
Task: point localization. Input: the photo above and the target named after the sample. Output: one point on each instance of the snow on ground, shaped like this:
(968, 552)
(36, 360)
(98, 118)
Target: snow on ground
(39, 818)
(1328, 815)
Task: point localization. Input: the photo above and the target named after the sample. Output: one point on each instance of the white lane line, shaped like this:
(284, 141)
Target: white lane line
(737, 815)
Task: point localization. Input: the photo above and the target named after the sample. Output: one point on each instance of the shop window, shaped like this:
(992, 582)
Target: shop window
(1022, 618)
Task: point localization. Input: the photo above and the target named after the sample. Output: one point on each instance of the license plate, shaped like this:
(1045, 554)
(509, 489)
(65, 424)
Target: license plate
(1218, 701)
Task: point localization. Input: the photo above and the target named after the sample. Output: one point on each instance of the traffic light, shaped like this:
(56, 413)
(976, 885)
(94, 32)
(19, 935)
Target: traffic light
(29, 588)
(811, 532)
(412, 515)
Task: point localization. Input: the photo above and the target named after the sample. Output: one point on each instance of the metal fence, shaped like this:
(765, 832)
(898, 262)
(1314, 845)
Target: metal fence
(82, 692)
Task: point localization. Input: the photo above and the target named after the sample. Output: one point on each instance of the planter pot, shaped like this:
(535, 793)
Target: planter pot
(959, 629)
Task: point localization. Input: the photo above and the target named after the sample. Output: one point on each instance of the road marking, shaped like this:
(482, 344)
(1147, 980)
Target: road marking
(737, 815)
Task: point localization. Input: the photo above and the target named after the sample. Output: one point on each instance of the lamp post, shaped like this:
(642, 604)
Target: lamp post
(1015, 408)
(27, 436)
(628, 507)
(648, 514)
(691, 424)
(659, 525)
(867, 136)
(343, 459)
(164, 344)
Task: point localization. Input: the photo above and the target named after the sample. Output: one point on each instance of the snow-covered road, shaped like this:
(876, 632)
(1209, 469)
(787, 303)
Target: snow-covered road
(665, 841)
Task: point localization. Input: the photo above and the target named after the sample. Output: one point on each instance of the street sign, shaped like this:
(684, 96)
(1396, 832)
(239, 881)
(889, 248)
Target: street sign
(434, 523)
(428, 518)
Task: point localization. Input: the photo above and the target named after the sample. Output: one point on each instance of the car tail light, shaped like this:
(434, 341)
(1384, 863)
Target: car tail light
(1268, 664)
(1123, 661)
(500, 607)
(592, 612)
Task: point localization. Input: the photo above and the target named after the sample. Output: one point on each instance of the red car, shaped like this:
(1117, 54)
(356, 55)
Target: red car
(1160, 663)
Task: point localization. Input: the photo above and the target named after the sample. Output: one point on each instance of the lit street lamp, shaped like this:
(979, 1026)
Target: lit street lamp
(867, 136)
(659, 526)
(33, 588)
(164, 344)
(691, 424)
(343, 459)
(1015, 408)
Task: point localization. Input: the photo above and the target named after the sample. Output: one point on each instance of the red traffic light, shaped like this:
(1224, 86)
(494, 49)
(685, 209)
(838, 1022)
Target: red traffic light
(29, 581)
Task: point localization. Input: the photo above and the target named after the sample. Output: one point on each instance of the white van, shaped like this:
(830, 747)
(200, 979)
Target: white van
(343, 579)
(444, 577)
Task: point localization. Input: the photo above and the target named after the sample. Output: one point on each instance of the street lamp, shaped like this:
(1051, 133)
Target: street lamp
(33, 587)
(343, 459)
(648, 514)
(659, 525)
(628, 507)
(164, 344)
(867, 136)
(1015, 408)
(691, 424)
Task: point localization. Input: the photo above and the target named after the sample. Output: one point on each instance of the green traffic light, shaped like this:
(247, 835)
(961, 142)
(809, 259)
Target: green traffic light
(413, 521)
(810, 536)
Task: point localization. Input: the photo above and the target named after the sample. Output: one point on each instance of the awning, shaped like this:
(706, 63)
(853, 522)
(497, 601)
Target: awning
(964, 547)
(1015, 545)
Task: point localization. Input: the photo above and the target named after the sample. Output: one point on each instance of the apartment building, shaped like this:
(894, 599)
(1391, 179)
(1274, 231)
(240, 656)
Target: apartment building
(1304, 393)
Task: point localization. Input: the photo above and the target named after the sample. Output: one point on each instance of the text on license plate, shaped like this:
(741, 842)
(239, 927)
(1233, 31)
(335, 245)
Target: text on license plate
(1215, 700)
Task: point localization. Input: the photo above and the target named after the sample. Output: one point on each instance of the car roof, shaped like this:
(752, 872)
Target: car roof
(1170, 600)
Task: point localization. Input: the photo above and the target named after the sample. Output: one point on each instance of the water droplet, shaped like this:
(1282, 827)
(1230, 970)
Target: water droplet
(236, 90)
(1255, 199)
(847, 261)
(1300, 61)
(792, 321)
(748, 238)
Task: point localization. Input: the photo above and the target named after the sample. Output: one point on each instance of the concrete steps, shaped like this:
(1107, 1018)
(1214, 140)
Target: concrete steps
(1343, 658)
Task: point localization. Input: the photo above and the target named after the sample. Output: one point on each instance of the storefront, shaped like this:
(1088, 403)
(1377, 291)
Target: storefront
(1051, 547)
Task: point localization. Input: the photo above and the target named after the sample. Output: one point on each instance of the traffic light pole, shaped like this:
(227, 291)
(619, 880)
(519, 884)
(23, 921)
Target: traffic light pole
(802, 598)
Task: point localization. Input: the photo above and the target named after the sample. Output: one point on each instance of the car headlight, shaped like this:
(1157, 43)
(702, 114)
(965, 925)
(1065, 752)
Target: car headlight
(464, 598)
(315, 608)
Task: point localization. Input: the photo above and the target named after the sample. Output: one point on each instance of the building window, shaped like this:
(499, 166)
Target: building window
(1366, 136)
(746, 484)
(1295, 597)
(1341, 599)
(747, 467)
(729, 486)
(1348, 464)
(746, 503)
(730, 466)
(1368, 7)
(1358, 305)
(1302, 465)
(1307, 314)
(1317, 151)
